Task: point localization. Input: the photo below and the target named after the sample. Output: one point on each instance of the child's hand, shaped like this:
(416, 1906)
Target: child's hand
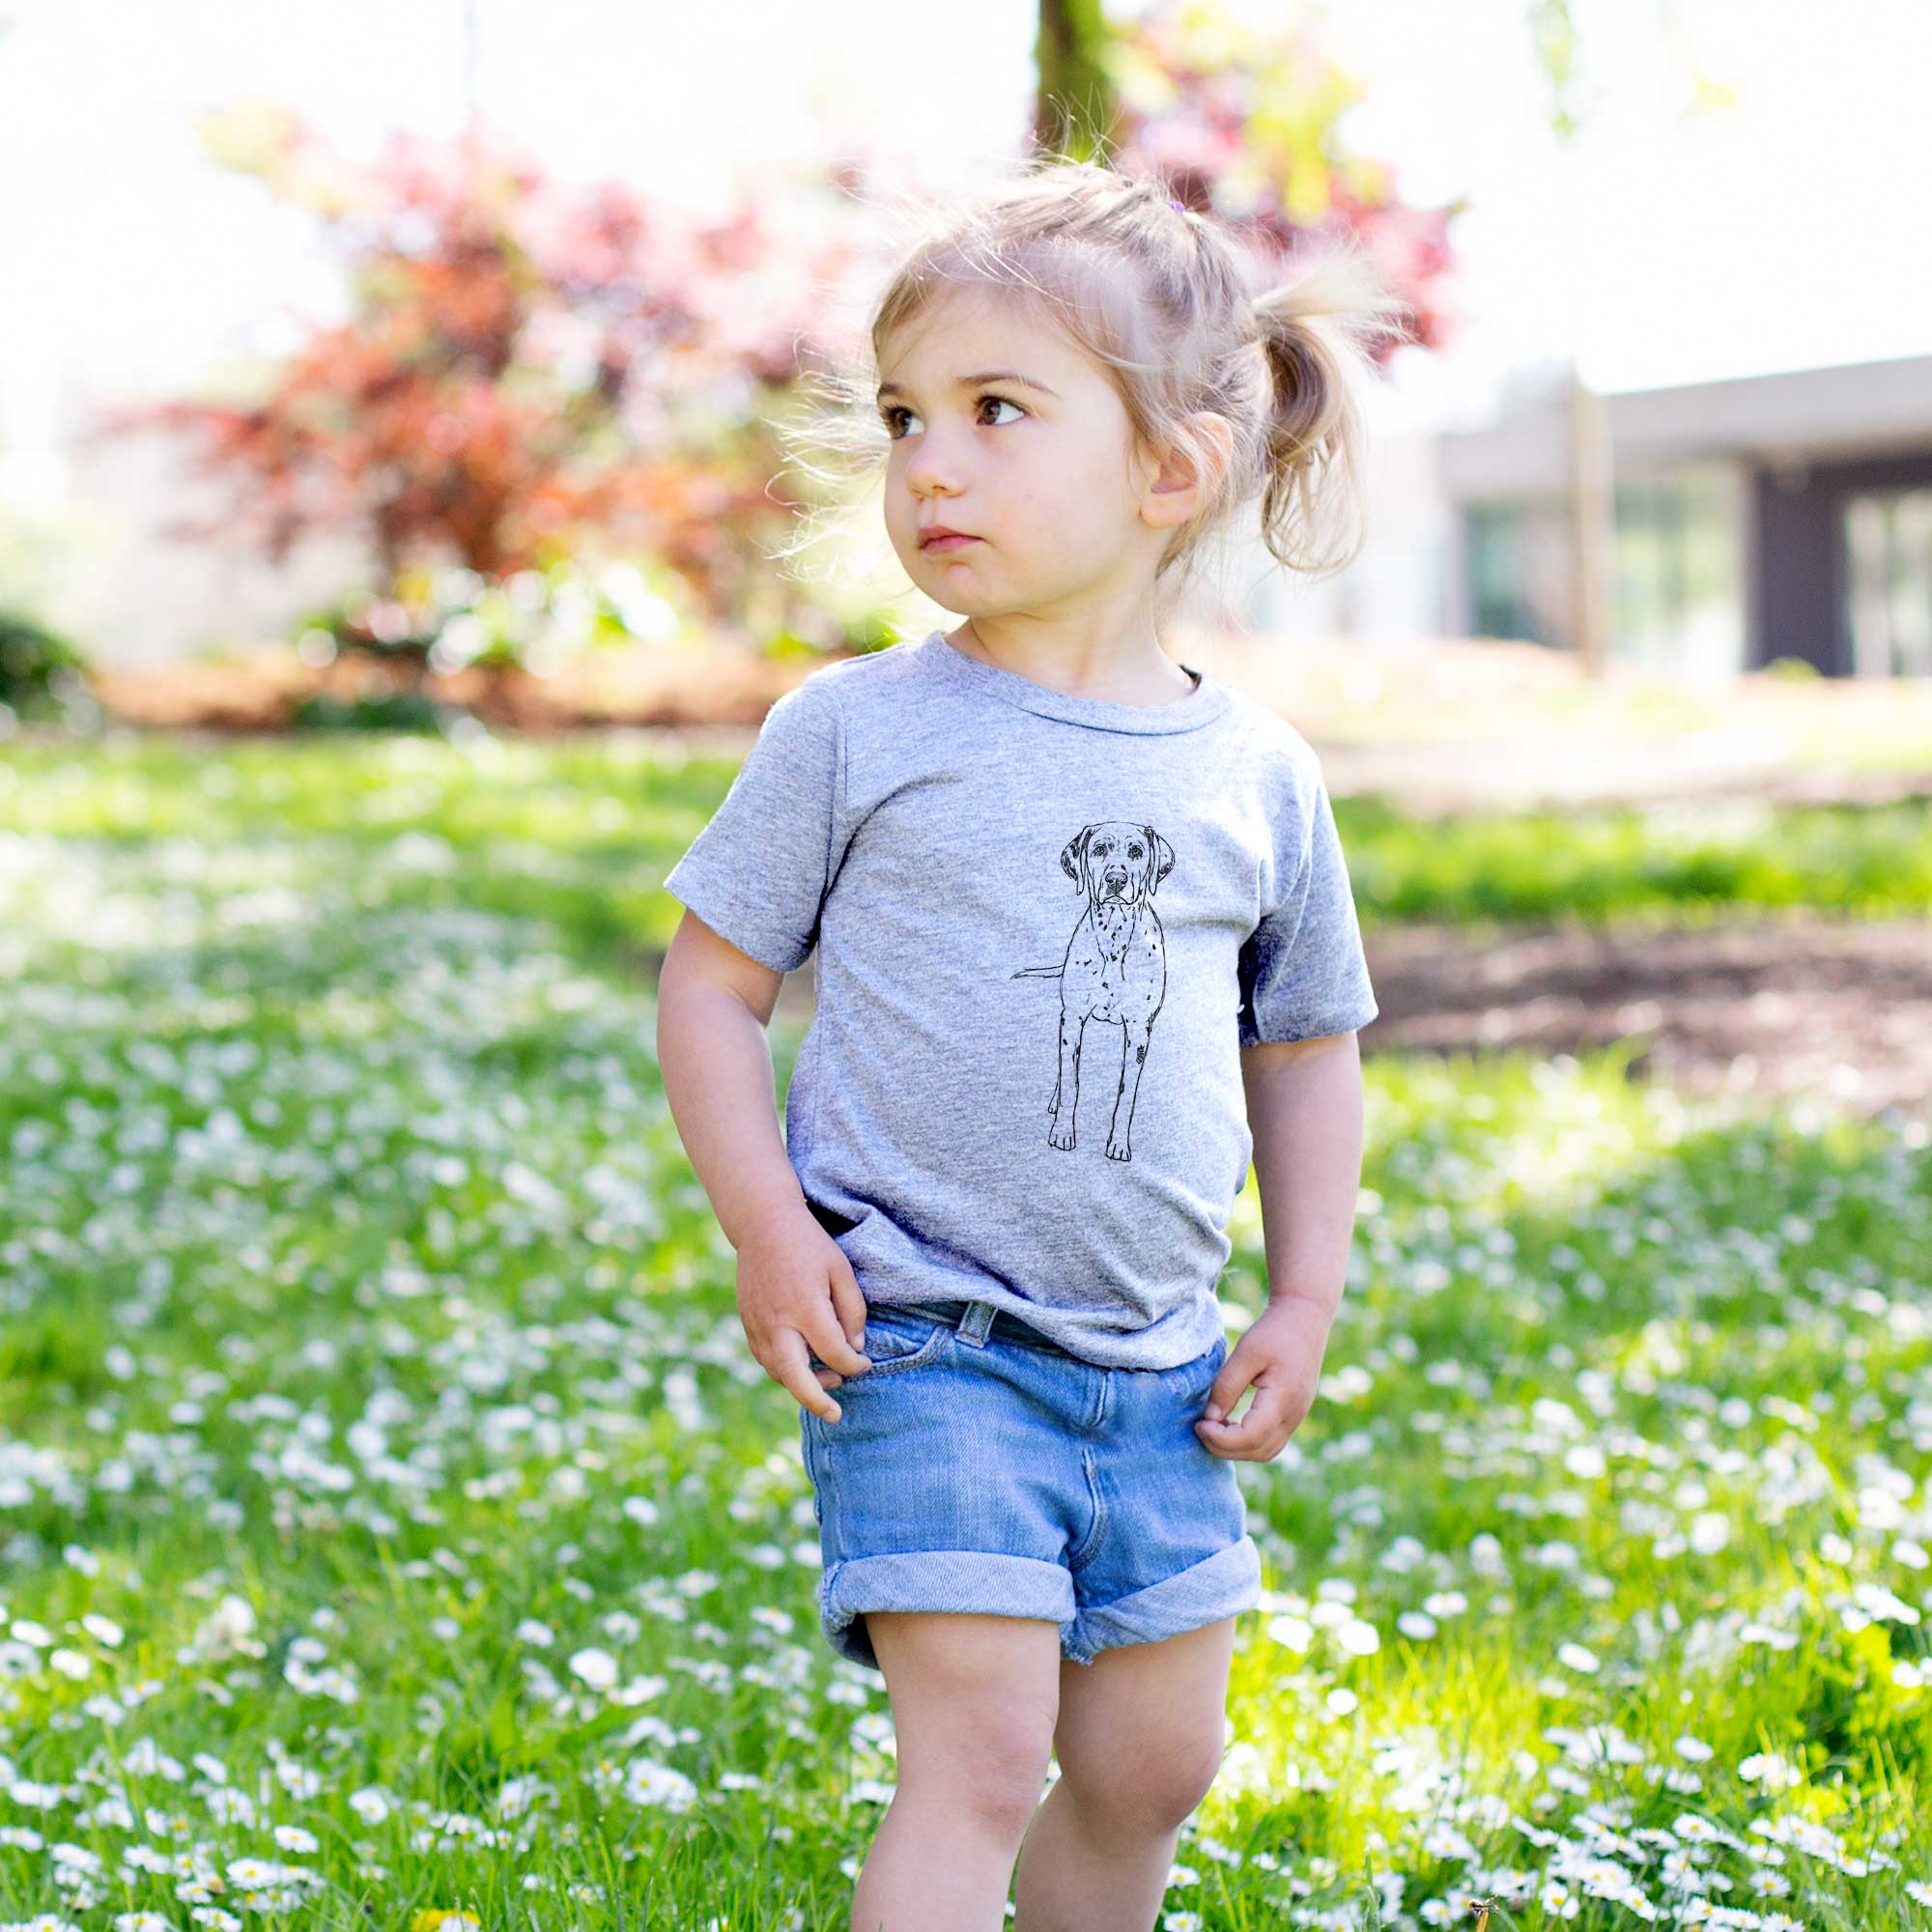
(1281, 1356)
(797, 1297)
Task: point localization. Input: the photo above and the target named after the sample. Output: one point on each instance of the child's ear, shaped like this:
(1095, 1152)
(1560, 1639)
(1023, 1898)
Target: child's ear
(1189, 476)
(1075, 852)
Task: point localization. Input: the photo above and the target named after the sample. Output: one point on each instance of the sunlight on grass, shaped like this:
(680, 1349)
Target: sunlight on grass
(393, 1521)
(583, 830)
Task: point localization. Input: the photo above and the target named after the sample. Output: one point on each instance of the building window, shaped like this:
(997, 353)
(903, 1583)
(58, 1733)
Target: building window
(1678, 596)
(1517, 557)
(1679, 591)
(1887, 540)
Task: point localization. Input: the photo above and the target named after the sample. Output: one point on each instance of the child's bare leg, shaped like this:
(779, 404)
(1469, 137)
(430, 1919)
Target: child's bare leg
(973, 1702)
(1140, 1738)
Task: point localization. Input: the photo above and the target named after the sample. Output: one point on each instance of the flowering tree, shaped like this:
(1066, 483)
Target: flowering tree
(1244, 122)
(525, 369)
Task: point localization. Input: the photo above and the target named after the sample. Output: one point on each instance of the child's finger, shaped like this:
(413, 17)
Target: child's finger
(1260, 1426)
(795, 1371)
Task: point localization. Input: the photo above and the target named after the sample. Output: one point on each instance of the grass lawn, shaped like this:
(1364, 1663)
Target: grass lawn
(393, 1523)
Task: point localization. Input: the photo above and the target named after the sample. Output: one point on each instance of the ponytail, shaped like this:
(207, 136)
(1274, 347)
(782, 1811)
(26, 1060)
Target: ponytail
(1314, 332)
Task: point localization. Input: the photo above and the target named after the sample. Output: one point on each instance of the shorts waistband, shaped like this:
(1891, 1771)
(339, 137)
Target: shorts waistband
(960, 1315)
(992, 1323)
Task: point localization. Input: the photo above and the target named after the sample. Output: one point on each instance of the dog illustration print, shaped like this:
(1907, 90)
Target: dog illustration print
(1116, 966)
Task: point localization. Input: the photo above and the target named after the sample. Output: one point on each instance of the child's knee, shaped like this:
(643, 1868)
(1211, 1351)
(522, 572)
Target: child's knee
(975, 1699)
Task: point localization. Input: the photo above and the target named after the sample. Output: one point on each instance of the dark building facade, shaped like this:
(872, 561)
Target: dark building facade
(1766, 516)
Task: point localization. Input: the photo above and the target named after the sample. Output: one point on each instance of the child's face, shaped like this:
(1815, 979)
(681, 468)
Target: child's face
(1049, 484)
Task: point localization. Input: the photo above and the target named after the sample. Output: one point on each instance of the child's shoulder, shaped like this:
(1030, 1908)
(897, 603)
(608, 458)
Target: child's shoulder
(1272, 738)
(867, 677)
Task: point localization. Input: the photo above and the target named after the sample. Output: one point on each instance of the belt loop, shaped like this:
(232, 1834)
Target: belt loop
(975, 1321)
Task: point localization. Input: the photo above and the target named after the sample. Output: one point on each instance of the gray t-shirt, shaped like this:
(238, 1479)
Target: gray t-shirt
(1022, 898)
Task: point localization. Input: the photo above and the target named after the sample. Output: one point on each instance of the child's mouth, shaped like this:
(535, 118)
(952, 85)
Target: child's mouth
(948, 543)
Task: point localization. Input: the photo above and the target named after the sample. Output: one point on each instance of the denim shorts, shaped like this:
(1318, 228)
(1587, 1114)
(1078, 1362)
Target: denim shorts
(979, 1467)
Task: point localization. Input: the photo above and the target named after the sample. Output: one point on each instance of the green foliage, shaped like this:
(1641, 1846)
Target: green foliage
(43, 675)
(380, 711)
(534, 620)
(873, 631)
(1670, 862)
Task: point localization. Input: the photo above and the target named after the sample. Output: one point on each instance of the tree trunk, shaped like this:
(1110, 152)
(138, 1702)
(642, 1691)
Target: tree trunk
(1075, 110)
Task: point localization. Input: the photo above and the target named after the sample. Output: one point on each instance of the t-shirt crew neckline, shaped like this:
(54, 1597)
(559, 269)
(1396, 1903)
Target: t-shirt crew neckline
(1201, 705)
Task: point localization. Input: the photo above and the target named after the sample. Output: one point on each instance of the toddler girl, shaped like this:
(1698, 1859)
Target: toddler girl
(1085, 948)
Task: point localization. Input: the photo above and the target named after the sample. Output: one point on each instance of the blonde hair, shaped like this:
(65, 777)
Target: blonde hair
(1183, 315)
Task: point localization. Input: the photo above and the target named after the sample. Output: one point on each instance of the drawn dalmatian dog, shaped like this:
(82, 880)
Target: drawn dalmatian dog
(1115, 972)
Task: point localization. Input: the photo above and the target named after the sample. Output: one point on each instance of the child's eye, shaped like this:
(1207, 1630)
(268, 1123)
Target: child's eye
(891, 415)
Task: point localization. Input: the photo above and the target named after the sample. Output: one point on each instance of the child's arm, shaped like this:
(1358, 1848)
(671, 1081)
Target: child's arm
(796, 1289)
(1305, 1111)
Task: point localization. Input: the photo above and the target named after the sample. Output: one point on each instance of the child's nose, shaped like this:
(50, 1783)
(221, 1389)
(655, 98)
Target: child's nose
(935, 464)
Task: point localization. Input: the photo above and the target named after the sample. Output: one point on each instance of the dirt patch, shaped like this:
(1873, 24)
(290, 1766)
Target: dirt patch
(1838, 1011)
(671, 688)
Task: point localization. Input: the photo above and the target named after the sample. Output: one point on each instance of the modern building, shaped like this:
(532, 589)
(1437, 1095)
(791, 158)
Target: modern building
(1759, 518)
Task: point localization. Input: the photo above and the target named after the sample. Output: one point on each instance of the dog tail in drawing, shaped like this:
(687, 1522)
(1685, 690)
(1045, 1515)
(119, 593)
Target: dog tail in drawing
(1043, 972)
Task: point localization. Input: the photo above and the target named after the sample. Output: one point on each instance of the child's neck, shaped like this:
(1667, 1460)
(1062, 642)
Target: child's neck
(1135, 681)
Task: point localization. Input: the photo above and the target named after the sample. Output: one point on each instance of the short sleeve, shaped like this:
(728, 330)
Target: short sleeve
(1302, 971)
(758, 872)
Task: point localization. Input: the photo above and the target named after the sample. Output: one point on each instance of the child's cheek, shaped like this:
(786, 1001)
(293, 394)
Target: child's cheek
(1031, 510)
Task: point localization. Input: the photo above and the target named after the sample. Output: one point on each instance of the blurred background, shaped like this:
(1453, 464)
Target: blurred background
(1668, 400)
(447, 392)
(393, 477)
